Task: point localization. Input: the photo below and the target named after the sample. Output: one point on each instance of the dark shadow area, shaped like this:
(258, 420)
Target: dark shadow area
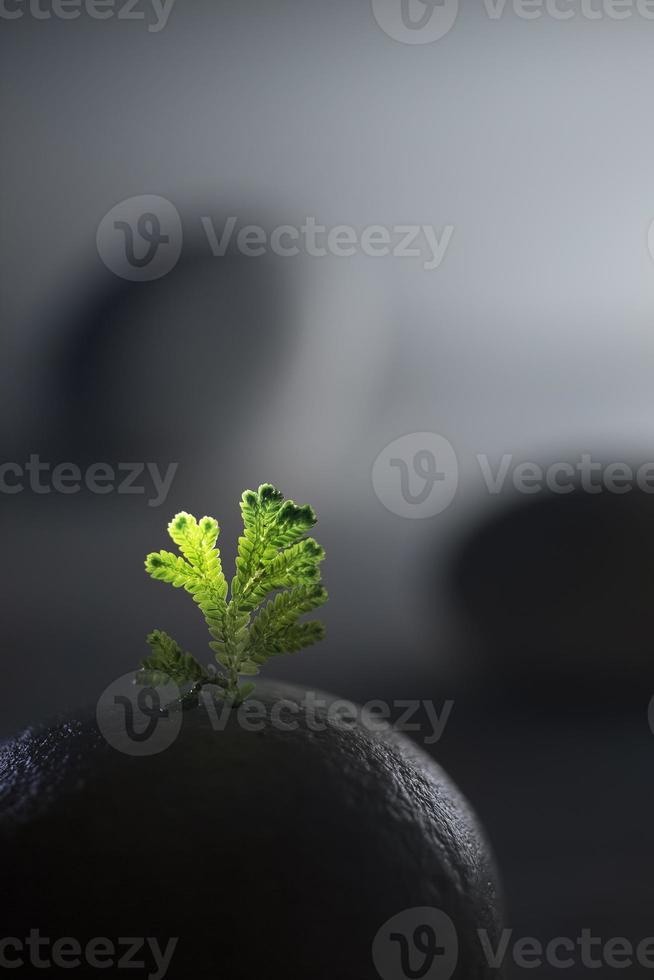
(173, 366)
(554, 744)
(560, 593)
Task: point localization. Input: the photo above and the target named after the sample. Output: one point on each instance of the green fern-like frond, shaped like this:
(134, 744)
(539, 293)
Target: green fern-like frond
(274, 556)
(168, 662)
(166, 567)
(269, 523)
(275, 629)
(197, 542)
(298, 564)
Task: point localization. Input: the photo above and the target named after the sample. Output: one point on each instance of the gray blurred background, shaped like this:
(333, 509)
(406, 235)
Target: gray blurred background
(533, 139)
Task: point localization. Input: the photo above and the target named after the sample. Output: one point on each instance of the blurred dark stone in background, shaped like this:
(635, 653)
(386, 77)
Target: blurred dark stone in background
(174, 370)
(561, 589)
(554, 742)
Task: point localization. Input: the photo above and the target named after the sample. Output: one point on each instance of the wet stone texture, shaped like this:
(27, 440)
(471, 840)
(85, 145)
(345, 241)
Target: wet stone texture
(269, 853)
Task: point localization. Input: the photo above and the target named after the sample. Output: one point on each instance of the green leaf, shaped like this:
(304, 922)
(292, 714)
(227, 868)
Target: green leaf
(298, 564)
(199, 571)
(276, 630)
(274, 558)
(166, 567)
(197, 542)
(168, 662)
(269, 524)
(244, 691)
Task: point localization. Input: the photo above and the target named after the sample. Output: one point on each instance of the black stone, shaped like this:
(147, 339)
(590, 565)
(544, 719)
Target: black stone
(268, 854)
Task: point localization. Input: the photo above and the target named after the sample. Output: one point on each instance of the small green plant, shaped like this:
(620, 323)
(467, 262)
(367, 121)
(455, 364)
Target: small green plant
(274, 556)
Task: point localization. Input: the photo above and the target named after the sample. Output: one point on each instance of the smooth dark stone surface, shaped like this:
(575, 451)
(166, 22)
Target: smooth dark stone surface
(268, 854)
